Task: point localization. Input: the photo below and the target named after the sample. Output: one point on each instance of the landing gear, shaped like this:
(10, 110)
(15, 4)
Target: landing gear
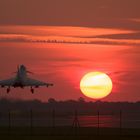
(32, 90)
(8, 89)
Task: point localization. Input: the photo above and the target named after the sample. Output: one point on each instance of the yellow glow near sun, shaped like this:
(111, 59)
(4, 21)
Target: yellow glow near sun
(96, 85)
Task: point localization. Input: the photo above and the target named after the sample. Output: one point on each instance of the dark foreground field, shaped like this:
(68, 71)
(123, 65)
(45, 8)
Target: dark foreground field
(68, 133)
(69, 138)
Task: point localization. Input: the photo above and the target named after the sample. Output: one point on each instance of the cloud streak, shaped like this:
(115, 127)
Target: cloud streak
(49, 34)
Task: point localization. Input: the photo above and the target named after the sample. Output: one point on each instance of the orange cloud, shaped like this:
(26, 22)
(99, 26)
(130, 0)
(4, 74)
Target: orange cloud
(64, 34)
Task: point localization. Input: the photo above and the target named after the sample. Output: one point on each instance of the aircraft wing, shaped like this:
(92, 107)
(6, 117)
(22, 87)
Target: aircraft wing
(33, 82)
(7, 82)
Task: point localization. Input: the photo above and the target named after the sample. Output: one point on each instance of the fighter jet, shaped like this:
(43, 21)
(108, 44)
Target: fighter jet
(22, 80)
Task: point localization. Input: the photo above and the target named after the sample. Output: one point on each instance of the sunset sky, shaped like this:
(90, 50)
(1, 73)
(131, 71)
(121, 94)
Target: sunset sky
(95, 35)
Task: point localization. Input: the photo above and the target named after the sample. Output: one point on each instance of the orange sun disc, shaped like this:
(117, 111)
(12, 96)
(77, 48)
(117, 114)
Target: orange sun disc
(96, 85)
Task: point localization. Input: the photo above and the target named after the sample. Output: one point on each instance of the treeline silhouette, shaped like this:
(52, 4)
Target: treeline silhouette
(80, 105)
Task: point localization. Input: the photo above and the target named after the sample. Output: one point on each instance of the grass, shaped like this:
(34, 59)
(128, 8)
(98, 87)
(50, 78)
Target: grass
(68, 133)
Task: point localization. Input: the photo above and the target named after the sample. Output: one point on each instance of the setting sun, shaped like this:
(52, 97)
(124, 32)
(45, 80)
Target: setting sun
(96, 85)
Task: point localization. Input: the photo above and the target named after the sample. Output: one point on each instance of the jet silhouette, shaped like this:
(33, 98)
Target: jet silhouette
(22, 80)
